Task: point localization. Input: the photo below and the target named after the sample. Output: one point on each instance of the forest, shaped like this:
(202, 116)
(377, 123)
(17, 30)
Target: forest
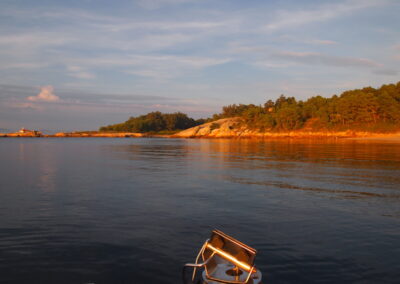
(367, 109)
(154, 122)
(361, 109)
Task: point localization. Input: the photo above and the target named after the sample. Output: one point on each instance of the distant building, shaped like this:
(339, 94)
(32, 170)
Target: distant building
(29, 132)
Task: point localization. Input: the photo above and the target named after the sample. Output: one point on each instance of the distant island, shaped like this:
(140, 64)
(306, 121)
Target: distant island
(359, 112)
(155, 122)
(23, 132)
(355, 113)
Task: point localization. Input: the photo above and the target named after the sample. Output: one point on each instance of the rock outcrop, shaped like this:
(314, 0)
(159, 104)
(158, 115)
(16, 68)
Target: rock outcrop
(227, 127)
(236, 128)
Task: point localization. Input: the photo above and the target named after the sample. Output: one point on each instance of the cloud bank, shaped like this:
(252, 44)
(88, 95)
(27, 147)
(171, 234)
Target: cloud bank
(109, 63)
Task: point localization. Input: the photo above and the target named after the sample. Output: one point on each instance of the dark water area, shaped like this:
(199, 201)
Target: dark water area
(104, 210)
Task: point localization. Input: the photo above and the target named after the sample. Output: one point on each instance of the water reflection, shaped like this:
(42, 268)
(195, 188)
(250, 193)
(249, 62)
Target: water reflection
(41, 162)
(134, 210)
(342, 168)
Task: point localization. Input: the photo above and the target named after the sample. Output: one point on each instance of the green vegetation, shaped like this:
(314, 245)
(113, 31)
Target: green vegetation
(156, 122)
(366, 109)
(362, 109)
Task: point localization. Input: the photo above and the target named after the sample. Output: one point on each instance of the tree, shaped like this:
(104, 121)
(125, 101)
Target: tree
(154, 122)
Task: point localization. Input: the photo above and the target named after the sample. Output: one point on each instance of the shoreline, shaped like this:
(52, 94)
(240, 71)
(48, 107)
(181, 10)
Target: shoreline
(84, 135)
(350, 135)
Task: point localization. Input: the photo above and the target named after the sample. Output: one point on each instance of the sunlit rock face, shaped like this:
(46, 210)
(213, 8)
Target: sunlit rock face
(235, 128)
(227, 127)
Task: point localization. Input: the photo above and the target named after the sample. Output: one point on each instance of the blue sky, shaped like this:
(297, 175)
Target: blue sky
(80, 64)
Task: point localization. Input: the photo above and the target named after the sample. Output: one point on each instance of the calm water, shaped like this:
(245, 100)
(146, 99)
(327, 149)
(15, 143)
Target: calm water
(134, 210)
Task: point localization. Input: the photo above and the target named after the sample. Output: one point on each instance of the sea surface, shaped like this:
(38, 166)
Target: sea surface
(104, 210)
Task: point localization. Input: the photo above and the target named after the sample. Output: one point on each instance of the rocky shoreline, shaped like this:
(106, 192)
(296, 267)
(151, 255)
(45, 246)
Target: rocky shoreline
(84, 135)
(233, 128)
(223, 128)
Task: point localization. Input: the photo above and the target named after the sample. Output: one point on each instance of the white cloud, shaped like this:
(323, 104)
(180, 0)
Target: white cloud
(119, 25)
(46, 95)
(135, 45)
(31, 40)
(154, 60)
(238, 48)
(321, 42)
(23, 105)
(155, 4)
(79, 72)
(269, 65)
(23, 65)
(161, 67)
(314, 58)
(288, 19)
(155, 74)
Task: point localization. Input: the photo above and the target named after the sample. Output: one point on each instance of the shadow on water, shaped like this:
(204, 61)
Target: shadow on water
(134, 210)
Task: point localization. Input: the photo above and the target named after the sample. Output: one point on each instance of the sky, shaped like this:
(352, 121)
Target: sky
(81, 64)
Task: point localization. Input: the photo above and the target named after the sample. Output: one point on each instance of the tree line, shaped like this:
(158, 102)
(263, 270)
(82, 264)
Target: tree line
(363, 109)
(360, 109)
(154, 122)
